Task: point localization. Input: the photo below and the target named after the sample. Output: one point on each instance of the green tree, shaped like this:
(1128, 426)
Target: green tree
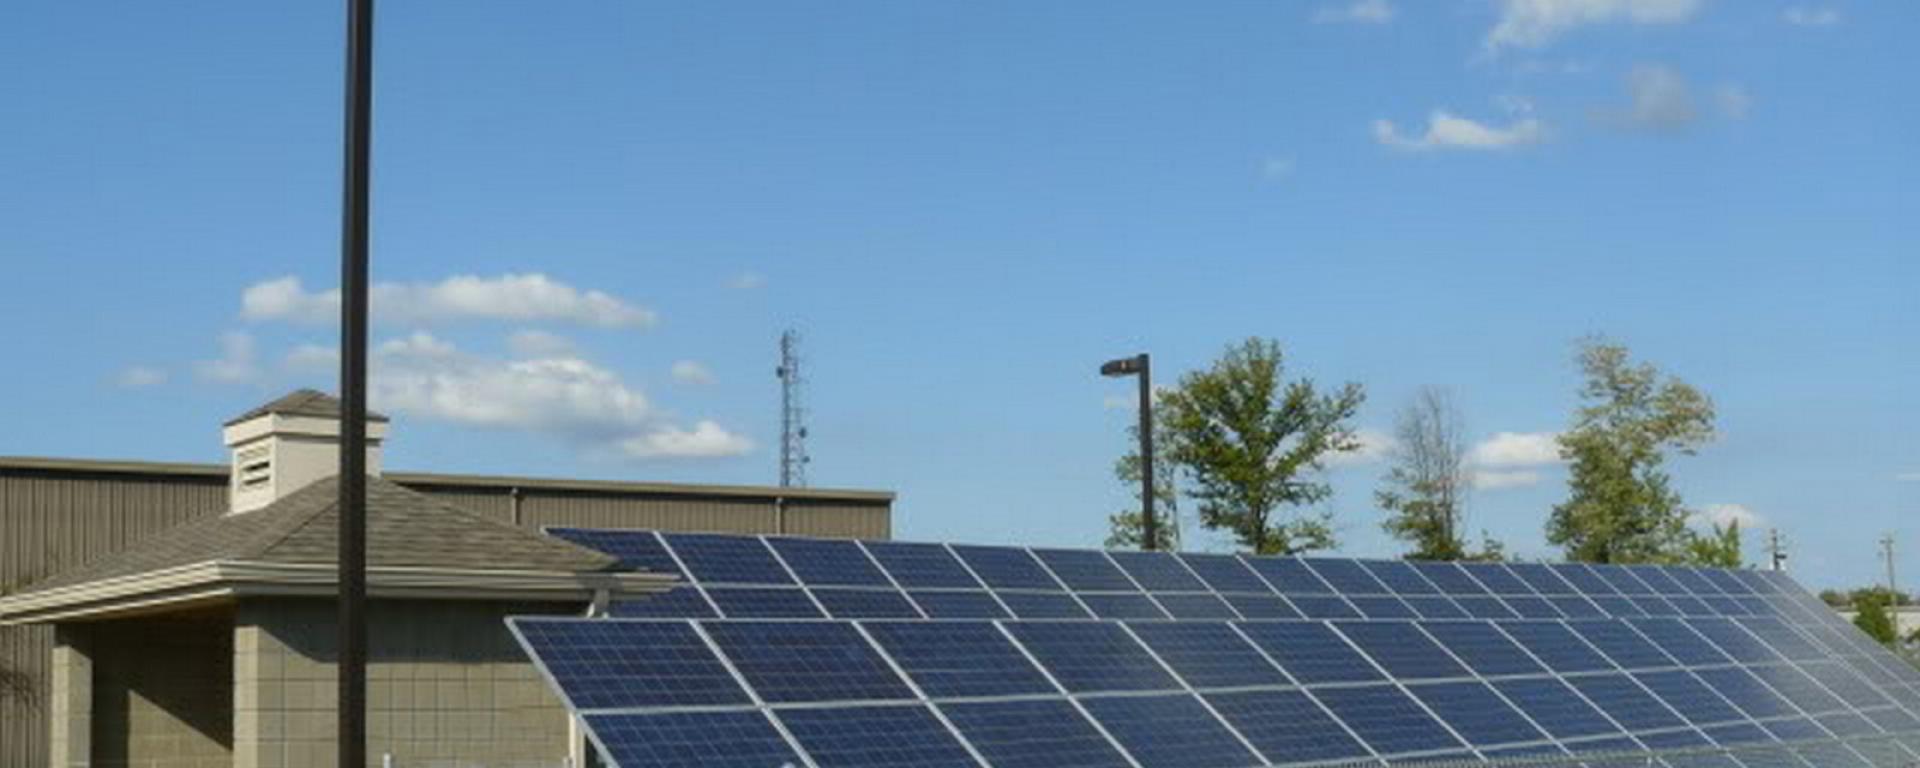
(1126, 529)
(1247, 440)
(1621, 506)
(1721, 549)
(1425, 490)
(1872, 617)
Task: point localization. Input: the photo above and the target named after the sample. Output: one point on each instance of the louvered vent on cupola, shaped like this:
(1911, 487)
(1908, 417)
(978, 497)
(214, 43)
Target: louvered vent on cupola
(283, 446)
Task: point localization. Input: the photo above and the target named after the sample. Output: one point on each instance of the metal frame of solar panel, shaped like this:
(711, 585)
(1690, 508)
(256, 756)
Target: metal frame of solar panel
(937, 654)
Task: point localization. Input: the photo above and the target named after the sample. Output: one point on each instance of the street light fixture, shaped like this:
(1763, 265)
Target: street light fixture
(1141, 366)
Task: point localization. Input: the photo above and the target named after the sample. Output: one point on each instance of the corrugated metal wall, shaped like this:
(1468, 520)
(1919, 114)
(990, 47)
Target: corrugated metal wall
(55, 519)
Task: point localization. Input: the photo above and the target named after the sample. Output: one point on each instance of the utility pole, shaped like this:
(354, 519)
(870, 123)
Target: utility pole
(352, 499)
(1893, 590)
(1141, 367)
(1776, 552)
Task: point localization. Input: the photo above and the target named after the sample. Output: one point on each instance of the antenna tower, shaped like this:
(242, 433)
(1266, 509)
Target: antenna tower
(793, 415)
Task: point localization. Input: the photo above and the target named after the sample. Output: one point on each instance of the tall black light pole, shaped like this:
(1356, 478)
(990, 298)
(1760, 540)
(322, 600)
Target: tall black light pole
(353, 388)
(1141, 365)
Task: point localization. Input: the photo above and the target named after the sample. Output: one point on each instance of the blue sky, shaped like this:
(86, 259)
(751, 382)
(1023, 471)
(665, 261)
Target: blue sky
(594, 221)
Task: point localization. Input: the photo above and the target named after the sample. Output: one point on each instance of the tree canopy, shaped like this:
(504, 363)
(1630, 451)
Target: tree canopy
(1424, 492)
(1621, 506)
(1248, 441)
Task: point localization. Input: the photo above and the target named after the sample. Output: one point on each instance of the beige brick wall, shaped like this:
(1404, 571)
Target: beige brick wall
(447, 687)
(161, 696)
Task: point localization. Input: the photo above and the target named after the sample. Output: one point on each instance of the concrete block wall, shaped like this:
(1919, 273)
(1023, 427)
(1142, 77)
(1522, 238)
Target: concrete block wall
(447, 687)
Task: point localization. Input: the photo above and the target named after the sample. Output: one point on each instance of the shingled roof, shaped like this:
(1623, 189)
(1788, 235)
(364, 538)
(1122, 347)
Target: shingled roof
(301, 402)
(404, 529)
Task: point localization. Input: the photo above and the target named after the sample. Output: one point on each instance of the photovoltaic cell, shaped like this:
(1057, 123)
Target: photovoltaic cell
(736, 739)
(1628, 704)
(1043, 605)
(1085, 570)
(1783, 639)
(1617, 606)
(1725, 581)
(1688, 696)
(1033, 734)
(1798, 688)
(1006, 567)
(1656, 578)
(1556, 707)
(1845, 683)
(720, 559)
(1225, 573)
(917, 566)
(1496, 578)
(676, 603)
(1157, 571)
(1734, 641)
(604, 664)
(1194, 606)
(1262, 606)
(1679, 642)
(1476, 713)
(1847, 724)
(1746, 692)
(1621, 578)
(1208, 654)
(1382, 607)
(1450, 578)
(1172, 731)
(1531, 607)
(1541, 578)
(1401, 650)
(1583, 579)
(866, 604)
(1400, 577)
(1483, 648)
(1575, 607)
(1121, 605)
(764, 603)
(1286, 725)
(1556, 646)
(1625, 647)
(1485, 607)
(959, 658)
(1289, 576)
(1324, 607)
(1310, 652)
(1092, 656)
(963, 604)
(1794, 729)
(1654, 605)
(793, 661)
(1436, 607)
(1347, 577)
(1692, 581)
(639, 550)
(828, 562)
(1387, 719)
(876, 737)
(1689, 605)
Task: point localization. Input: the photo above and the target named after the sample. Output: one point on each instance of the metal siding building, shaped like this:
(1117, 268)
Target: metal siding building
(57, 514)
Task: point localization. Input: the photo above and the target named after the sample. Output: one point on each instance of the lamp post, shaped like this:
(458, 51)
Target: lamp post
(1140, 365)
(352, 501)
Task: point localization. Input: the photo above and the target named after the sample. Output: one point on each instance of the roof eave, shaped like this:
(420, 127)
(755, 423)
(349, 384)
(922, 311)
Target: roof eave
(222, 580)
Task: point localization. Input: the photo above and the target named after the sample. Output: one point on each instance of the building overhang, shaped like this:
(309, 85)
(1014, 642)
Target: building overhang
(220, 581)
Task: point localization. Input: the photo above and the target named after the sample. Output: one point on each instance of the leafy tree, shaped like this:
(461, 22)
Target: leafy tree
(1491, 550)
(1621, 507)
(1721, 549)
(1873, 618)
(1126, 528)
(1425, 489)
(1248, 440)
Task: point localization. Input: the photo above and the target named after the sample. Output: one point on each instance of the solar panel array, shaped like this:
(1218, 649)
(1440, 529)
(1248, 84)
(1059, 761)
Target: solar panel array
(825, 653)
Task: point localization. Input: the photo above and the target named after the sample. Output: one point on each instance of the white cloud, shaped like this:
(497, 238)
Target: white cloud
(312, 358)
(238, 361)
(140, 377)
(1803, 16)
(1498, 479)
(1726, 514)
(1448, 131)
(1374, 446)
(692, 372)
(538, 344)
(1356, 12)
(565, 397)
(1534, 23)
(747, 281)
(1516, 449)
(511, 297)
(1658, 99)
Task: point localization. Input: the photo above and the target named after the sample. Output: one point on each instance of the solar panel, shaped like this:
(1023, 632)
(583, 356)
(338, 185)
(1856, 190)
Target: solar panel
(1085, 570)
(612, 663)
(1225, 573)
(1400, 577)
(1033, 734)
(1483, 647)
(865, 604)
(1382, 607)
(1170, 731)
(959, 659)
(1619, 643)
(1090, 656)
(1478, 714)
(1208, 654)
(1289, 576)
(1310, 652)
(1531, 607)
(916, 566)
(1627, 702)
(676, 603)
(638, 550)
(1324, 607)
(1450, 578)
(718, 559)
(1485, 607)
(1401, 650)
(1348, 577)
(1262, 606)
(1121, 605)
(1286, 724)
(1689, 696)
(1387, 719)
(1622, 579)
(1195, 606)
(1679, 642)
(1436, 607)
(1541, 578)
(740, 739)
(807, 661)
(764, 603)
(1734, 641)
(829, 562)
(1797, 687)
(1006, 567)
(959, 604)
(876, 737)
(1158, 571)
(1497, 578)
(1746, 692)
(1556, 646)
(1557, 708)
(1043, 605)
